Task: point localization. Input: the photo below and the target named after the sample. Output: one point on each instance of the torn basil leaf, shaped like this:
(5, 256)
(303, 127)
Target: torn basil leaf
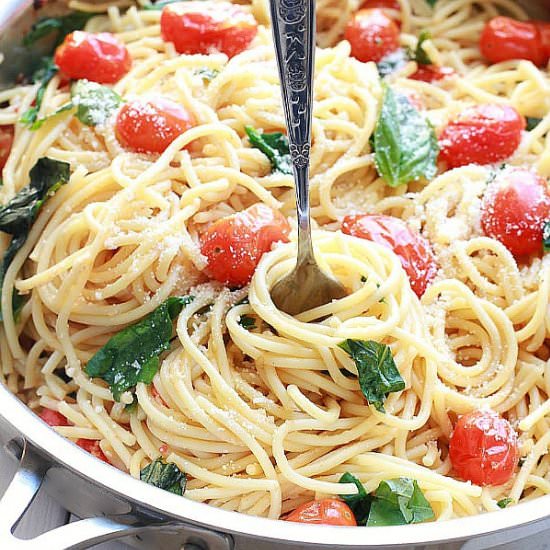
(393, 62)
(43, 75)
(132, 355)
(420, 55)
(60, 26)
(532, 123)
(274, 146)
(503, 502)
(431, 3)
(546, 236)
(94, 103)
(378, 374)
(405, 143)
(17, 217)
(359, 503)
(165, 476)
(247, 322)
(399, 502)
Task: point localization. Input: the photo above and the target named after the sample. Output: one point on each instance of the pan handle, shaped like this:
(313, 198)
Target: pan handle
(84, 533)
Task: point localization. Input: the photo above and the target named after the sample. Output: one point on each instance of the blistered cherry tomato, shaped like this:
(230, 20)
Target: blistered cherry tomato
(483, 135)
(432, 73)
(514, 209)
(53, 418)
(6, 141)
(92, 446)
(150, 126)
(484, 448)
(99, 57)
(414, 251)
(372, 35)
(235, 245)
(504, 39)
(329, 511)
(205, 27)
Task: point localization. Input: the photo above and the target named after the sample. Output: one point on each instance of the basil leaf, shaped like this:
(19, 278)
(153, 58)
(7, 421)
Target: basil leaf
(159, 5)
(420, 55)
(165, 476)
(46, 71)
(94, 103)
(38, 123)
(399, 502)
(359, 503)
(378, 374)
(405, 143)
(393, 62)
(247, 322)
(532, 123)
(132, 355)
(207, 74)
(546, 236)
(431, 3)
(503, 502)
(274, 146)
(17, 217)
(60, 26)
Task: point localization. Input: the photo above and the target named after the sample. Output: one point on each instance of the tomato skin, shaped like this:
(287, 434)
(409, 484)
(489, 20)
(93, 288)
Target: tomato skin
(53, 418)
(482, 135)
(329, 511)
(151, 126)
(414, 251)
(372, 35)
(514, 209)
(92, 446)
(484, 448)
(102, 57)
(201, 27)
(6, 141)
(432, 73)
(383, 4)
(235, 245)
(504, 39)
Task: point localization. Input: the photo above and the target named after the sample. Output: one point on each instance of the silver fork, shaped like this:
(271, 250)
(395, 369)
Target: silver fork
(307, 286)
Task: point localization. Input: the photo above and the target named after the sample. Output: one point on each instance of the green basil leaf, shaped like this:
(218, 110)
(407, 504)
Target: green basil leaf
(532, 122)
(503, 502)
(165, 476)
(393, 62)
(546, 236)
(38, 123)
(247, 322)
(159, 5)
(46, 71)
(207, 74)
(274, 146)
(359, 503)
(60, 26)
(399, 502)
(405, 143)
(132, 355)
(94, 103)
(378, 374)
(431, 3)
(420, 55)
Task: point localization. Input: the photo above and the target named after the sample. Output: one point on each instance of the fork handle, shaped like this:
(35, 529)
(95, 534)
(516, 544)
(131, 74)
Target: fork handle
(293, 24)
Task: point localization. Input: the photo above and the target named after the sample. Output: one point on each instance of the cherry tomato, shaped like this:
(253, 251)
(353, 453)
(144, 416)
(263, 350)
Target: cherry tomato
(92, 447)
(392, 8)
(414, 251)
(53, 418)
(99, 57)
(329, 511)
(483, 134)
(432, 73)
(6, 141)
(235, 245)
(204, 27)
(372, 35)
(484, 448)
(503, 39)
(151, 126)
(514, 210)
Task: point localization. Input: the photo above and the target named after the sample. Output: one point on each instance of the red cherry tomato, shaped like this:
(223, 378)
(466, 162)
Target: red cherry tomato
(414, 251)
(482, 135)
(432, 73)
(53, 418)
(329, 511)
(6, 141)
(99, 57)
(372, 35)
(151, 126)
(503, 39)
(235, 245)
(204, 27)
(514, 210)
(92, 447)
(484, 448)
(392, 8)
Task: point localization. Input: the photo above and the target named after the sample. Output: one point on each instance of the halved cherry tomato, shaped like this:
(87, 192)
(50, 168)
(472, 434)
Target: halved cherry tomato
(483, 134)
(92, 446)
(414, 251)
(53, 418)
(484, 448)
(150, 126)
(329, 511)
(235, 245)
(6, 141)
(99, 57)
(514, 209)
(204, 27)
(372, 35)
(504, 39)
(432, 73)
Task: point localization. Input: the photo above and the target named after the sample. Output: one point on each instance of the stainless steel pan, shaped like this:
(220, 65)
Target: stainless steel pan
(117, 505)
